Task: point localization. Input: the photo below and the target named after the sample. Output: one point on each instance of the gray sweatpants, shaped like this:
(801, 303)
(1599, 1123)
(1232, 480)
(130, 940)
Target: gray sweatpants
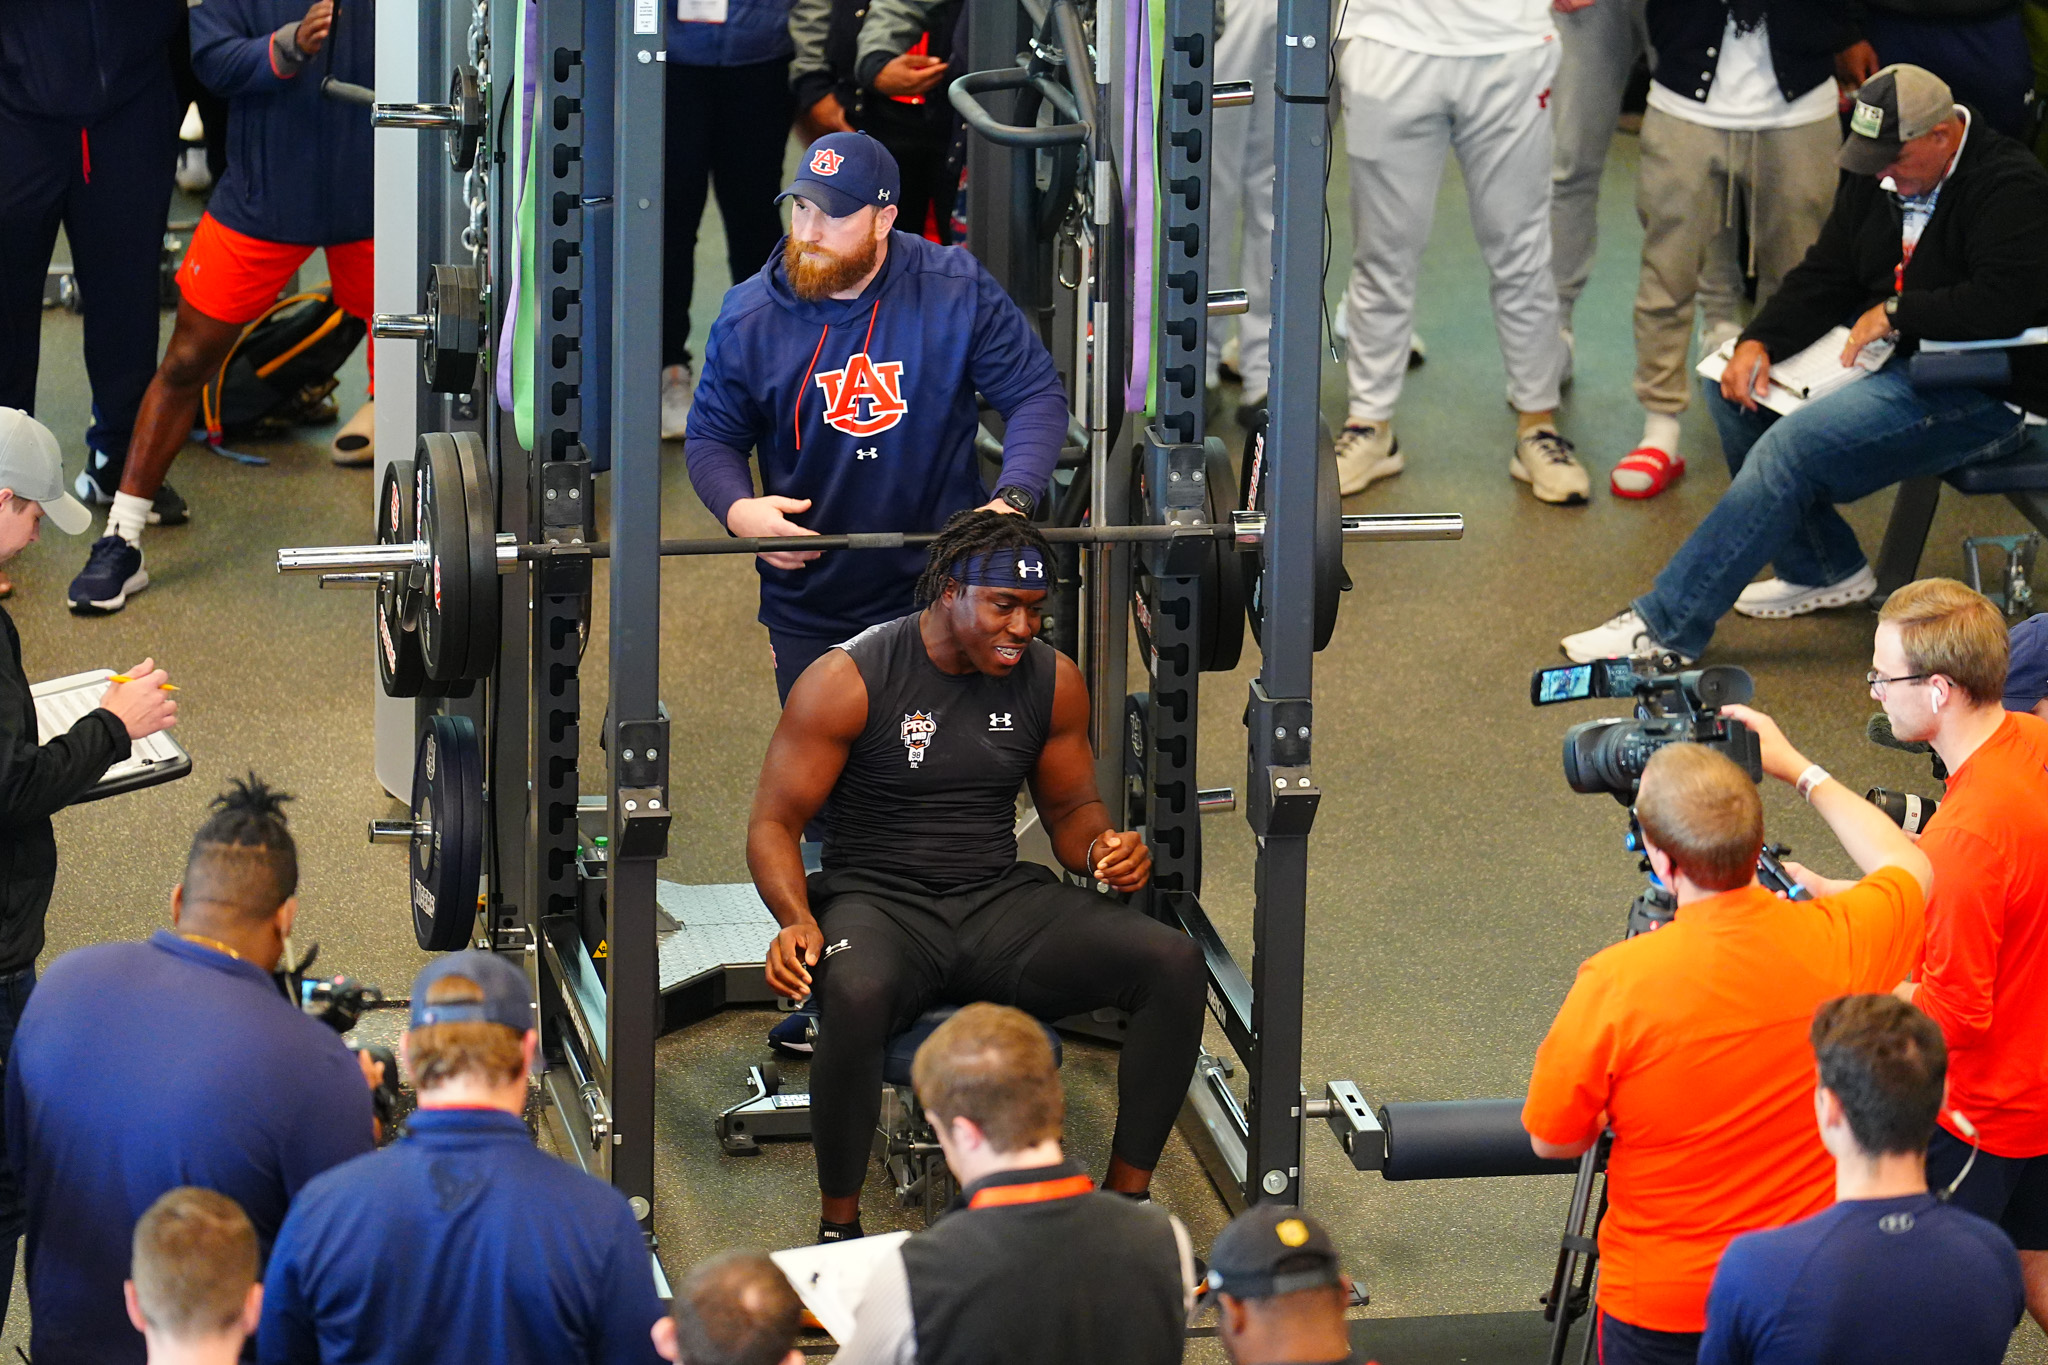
(1695, 185)
(1600, 45)
(1241, 180)
(1403, 111)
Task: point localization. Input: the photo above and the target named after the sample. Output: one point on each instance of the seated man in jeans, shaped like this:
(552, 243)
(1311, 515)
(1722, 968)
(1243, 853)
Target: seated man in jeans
(1935, 234)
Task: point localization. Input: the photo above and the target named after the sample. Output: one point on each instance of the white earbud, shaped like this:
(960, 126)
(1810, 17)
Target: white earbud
(1969, 1129)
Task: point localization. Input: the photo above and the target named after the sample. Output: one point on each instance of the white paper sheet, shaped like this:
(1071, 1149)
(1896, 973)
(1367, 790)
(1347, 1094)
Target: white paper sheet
(830, 1279)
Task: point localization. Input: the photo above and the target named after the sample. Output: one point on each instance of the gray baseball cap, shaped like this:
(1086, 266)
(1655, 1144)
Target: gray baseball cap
(33, 467)
(1894, 106)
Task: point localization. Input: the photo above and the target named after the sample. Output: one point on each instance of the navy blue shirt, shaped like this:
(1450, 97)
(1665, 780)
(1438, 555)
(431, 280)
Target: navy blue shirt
(1904, 1280)
(462, 1242)
(753, 31)
(140, 1067)
(867, 407)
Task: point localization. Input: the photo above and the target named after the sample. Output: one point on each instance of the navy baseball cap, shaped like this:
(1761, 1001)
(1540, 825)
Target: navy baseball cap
(508, 1000)
(843, 173)
(2026, 677)
(1249, 1255)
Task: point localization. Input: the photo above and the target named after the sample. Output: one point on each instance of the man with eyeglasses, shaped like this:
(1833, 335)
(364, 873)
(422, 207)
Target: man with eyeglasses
(1941, 658)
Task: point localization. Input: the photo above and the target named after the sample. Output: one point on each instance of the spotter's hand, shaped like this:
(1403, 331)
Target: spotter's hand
(1122, 861)
(749, 518)
(791, 956)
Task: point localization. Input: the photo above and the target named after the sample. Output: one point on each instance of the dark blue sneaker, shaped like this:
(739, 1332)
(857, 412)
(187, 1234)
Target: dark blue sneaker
(101, 479)
(797, 1031)
(112, 574)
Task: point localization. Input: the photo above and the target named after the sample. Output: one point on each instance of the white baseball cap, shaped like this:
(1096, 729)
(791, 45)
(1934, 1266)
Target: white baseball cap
(33, 467)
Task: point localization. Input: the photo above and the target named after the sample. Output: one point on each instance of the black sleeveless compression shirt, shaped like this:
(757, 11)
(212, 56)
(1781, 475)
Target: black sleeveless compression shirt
(929, 791)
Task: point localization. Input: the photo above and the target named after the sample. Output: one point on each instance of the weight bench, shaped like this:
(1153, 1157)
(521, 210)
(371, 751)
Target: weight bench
(2021, 476)
(905, 1145)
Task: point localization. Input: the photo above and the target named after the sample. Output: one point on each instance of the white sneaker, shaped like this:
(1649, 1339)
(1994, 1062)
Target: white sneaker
(1366, 453)
(1774, 599)
(1543, 460)
(1624, 634)
(193, 176)
(678, 390)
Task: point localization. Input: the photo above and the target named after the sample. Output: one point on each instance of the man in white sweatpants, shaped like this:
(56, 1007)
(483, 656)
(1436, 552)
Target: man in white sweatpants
(1421, 80)
(1241, 181)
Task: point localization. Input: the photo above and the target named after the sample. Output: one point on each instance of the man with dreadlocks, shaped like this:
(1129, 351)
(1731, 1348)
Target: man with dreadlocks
(919, 732)
(141, 1067)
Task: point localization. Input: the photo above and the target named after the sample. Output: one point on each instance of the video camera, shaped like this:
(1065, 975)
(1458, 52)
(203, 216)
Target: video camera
(1609, 755)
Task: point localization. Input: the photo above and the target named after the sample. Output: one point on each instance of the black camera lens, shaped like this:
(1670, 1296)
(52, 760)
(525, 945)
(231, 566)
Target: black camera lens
(1909, 812)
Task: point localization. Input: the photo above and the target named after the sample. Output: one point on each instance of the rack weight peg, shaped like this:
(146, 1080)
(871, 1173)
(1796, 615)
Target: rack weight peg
(461, 118)
(450, 329)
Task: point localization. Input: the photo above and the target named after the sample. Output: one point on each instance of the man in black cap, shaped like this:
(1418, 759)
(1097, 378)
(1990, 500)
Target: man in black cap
(1935, 236)
(1279, 1295)
(856, 364)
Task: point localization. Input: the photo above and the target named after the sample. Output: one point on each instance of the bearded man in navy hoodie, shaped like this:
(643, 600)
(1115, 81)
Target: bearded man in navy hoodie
(851, 365)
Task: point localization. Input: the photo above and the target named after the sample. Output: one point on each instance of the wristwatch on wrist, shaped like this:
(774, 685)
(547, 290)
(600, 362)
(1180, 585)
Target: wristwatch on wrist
(1018, 498)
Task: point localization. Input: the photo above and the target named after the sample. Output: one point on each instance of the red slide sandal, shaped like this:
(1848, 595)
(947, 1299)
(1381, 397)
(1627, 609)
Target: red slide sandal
(1645, 472)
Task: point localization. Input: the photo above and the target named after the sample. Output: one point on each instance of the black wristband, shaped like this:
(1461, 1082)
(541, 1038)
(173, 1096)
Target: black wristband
(1018, 497)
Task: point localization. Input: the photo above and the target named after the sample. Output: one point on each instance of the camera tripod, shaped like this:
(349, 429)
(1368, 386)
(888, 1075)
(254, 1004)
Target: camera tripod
(1575, 1282)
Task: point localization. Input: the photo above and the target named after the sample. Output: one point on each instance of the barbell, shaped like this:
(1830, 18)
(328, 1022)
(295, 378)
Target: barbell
(462, 118)
(444, 578)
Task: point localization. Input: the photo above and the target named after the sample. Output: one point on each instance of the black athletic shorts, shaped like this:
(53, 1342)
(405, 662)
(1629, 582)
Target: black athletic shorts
(2011, 1191)
(1623, 1343)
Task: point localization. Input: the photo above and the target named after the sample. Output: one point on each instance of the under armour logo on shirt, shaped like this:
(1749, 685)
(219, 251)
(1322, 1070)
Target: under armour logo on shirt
(1000, 720)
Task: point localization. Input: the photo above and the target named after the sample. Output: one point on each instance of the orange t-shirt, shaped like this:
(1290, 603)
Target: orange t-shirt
(1693, 1040)
(1986, 976)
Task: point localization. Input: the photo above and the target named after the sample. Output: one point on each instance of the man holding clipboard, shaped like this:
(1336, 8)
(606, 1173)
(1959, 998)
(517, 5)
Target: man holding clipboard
(37, 780)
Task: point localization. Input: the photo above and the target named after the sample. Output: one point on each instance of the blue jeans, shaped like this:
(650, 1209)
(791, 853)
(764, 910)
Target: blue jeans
(14, 992)
(1789, 472)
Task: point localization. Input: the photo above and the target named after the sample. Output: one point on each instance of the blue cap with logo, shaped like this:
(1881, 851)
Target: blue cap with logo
(508, 1000)
(843, 173)
(2026, 677)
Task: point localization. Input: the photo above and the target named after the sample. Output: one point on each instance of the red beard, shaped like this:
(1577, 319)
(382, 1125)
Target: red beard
(816, 272)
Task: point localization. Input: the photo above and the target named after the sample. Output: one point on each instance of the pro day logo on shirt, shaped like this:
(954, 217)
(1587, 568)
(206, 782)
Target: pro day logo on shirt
(918, 729)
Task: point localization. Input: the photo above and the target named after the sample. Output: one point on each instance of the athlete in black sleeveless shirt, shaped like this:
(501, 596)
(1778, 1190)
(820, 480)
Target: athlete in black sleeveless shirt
(920, 732)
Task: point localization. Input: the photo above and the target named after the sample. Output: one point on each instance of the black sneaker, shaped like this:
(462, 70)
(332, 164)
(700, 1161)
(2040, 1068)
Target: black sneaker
(838, 1232)
(166, 509)
(111, 575)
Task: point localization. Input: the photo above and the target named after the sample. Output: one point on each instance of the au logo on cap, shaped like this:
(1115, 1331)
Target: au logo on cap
(825, 161)
(1292, 1232)
(1867, 120)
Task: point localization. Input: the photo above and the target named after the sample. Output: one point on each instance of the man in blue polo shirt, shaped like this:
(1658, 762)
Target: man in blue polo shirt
(462, 1241)
(141, 1067)
(1891, 1272)
(851, 363)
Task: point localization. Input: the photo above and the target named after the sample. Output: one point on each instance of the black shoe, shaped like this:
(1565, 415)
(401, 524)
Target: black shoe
(838, 1232)
(166, 509)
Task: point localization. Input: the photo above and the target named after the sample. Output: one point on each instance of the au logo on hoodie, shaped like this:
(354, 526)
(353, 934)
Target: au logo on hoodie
(863, 381)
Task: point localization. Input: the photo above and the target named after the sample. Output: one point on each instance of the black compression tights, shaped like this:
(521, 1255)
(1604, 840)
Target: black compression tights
(1114, 957)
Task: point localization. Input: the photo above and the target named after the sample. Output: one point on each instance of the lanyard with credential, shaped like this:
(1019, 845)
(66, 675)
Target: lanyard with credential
(1037, 1192)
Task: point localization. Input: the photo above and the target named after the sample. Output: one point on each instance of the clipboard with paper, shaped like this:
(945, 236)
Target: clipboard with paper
(61, 702)
(1813, 373)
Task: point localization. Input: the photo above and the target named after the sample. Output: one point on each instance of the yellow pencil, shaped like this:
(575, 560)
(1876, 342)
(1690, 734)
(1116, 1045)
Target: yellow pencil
(124, 678)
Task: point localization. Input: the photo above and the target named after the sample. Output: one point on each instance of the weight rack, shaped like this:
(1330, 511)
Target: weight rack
(597, 225)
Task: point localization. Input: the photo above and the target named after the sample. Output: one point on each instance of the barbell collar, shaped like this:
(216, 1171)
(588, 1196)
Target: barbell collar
(1216, 800)
(1232, 94)
(402, 326)
(1228, 302)
(437, 117)
(400, 831)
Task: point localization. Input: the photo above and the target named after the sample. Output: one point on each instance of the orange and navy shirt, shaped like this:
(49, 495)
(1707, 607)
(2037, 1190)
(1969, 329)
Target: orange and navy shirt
(1693, 1042)
(1985, 980)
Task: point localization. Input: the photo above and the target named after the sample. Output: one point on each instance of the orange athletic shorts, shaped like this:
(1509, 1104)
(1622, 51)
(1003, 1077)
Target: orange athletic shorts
(233, 277)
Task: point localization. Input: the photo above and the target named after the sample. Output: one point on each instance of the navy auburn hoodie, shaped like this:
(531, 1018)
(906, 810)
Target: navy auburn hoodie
(867, 407)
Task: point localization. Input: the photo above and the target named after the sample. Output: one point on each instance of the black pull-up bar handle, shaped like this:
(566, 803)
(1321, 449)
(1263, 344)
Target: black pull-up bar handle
(962, 94)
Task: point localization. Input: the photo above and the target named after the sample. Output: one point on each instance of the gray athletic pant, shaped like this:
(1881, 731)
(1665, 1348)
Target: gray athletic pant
(1241, 179)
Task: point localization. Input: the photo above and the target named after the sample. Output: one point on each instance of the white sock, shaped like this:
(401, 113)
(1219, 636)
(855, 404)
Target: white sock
(127, 517)
(1660, 429)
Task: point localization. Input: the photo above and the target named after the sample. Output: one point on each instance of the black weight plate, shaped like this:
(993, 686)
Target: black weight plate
(400, 667)
(448, 358)
(467, 97)
(1222, 583)
(447, 796)
(1330, 577)
(482, 506)
(444, 524)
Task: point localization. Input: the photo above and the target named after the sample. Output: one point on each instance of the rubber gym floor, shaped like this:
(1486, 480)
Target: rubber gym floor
(1456, 882)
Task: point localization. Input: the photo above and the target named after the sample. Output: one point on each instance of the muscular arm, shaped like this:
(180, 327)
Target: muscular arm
(1069, 806)
(823, 717)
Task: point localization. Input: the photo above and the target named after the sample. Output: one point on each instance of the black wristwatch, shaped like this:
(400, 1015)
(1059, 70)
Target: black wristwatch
(1891, 306)
(1018, 498)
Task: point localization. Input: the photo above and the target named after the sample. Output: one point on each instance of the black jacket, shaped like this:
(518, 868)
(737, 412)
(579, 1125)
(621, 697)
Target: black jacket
(1805, 35)
(865, 108)
(78, 60)
(1980, 271)
(35, 782)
